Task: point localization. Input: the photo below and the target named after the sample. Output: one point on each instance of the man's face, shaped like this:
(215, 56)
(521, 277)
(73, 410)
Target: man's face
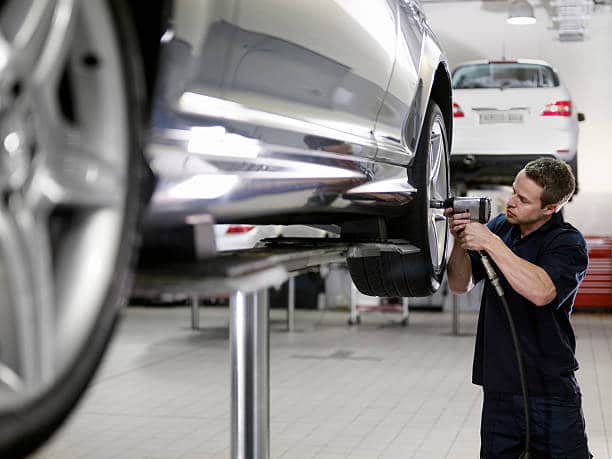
(524, 207)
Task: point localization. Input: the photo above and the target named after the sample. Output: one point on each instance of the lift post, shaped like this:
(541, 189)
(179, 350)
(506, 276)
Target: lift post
(246, 275)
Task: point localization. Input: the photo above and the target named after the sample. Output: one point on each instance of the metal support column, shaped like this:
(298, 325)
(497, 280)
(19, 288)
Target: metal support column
(455, 315)
(405, 311)
(354, 314)
(247, 278)
(249, 349)
(291, 303)
(195, 312)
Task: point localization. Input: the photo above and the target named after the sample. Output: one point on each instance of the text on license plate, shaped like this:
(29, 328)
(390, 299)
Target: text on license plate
(501, 116)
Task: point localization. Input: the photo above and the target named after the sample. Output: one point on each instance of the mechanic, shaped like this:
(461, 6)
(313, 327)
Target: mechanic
(541, 261)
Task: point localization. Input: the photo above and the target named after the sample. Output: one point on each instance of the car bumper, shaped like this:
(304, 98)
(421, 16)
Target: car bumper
(471, 169)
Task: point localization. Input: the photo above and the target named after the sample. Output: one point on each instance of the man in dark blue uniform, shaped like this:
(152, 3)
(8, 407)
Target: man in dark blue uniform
(541, 261)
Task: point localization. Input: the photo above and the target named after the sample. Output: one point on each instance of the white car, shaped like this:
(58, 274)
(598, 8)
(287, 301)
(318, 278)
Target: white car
(507, 113)
(235, 237)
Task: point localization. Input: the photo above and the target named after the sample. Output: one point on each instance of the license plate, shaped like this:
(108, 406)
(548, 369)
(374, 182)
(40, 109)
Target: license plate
(501, 116)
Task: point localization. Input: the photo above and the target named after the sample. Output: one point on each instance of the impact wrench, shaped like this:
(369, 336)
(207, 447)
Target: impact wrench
(480, 211)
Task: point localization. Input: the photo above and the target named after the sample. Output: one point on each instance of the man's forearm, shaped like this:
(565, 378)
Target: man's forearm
(459, 270)
(527, 279)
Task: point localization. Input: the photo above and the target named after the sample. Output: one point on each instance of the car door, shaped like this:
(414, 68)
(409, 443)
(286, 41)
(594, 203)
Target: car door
(197, 39)
(396, 127)
(324, 63)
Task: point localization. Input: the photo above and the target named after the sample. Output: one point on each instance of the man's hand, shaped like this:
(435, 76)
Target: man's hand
(468, 234)
(456, 222)
(476, 236)
(459, 267)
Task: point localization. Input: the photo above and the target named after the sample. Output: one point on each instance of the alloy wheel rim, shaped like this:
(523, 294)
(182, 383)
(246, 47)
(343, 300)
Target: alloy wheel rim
(63, 166)
(437, 189)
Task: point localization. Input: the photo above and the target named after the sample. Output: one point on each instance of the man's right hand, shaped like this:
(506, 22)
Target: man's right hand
(459, 267)
(456, 222)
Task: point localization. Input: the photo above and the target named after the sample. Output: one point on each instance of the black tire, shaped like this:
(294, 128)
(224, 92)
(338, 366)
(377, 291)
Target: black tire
(418, 274)
(28, 419)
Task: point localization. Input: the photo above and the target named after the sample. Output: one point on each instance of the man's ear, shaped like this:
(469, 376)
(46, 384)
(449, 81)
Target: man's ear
(550, 209)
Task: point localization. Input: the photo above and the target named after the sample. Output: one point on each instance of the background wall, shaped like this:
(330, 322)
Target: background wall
(478, 30)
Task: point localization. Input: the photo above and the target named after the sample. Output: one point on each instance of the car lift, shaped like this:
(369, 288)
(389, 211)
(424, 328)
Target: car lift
(246, 275)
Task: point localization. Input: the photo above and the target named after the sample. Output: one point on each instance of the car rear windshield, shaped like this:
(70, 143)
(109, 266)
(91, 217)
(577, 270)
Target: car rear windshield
(504, 75)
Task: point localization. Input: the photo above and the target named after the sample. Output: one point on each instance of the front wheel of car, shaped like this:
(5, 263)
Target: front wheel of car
(415, 274)
(71, 177)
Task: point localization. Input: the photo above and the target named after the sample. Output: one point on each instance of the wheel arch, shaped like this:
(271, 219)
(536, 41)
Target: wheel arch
(434, 84)
(441, 93)
(149, 19)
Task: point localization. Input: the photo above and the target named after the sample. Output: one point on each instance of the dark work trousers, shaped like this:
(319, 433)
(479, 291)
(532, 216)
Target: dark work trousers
(557, 427)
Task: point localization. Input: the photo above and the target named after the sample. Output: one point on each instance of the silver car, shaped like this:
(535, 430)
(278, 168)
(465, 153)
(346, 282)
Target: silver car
(119, 116)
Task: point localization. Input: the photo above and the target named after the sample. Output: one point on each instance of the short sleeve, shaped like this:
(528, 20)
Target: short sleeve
(565, 260)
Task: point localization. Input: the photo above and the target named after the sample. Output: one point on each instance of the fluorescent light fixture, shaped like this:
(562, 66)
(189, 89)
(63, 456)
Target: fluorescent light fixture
(520, 12)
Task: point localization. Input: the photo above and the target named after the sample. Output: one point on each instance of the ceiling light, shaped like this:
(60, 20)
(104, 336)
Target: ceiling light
(520, 12)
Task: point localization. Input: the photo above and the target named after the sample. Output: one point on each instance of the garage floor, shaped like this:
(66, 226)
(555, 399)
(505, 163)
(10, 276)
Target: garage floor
(378, 390)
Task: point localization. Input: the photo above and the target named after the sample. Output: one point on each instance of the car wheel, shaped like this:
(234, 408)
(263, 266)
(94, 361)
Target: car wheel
(415, 274)
(71, 176)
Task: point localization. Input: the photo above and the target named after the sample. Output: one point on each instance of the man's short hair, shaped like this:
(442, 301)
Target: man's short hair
(555, 176)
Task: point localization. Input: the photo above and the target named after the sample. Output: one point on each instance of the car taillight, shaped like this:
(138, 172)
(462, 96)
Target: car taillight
(457, 112)
(559, 108)
(235, 229)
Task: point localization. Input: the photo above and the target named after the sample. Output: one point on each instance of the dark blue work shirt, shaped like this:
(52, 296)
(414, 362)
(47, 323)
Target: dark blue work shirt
(545, 332)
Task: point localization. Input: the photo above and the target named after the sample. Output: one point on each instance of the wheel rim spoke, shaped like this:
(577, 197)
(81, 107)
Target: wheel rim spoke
(5, 53)
(27, 27)
(433, 238)
(436, 145)
(29, 308)
(39, 32)
(54, 54)
(75, 176)
(80, 290)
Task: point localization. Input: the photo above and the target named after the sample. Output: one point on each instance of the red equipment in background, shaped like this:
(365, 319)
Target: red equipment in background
(596, 289)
